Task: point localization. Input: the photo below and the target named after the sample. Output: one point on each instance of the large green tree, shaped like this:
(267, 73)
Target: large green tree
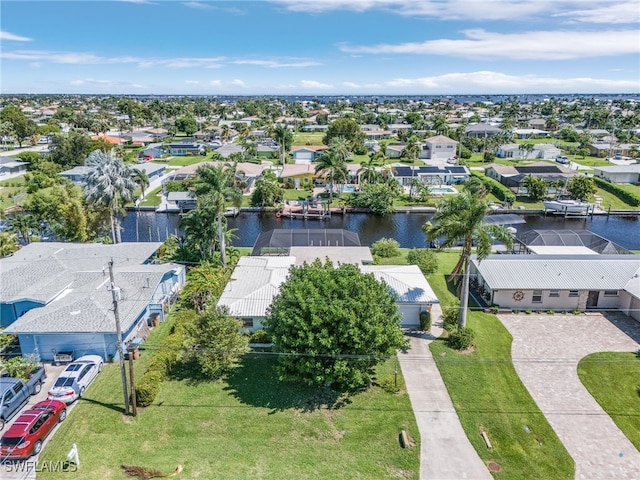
(536, 187)
(109, 184)
(581, 187)
(70, 150)
(348, 129)
(327, 329)
(461, 219)
(22, 127)
(188, 125)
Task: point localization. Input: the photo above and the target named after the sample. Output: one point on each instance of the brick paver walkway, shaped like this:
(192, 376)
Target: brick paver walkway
(546, 350)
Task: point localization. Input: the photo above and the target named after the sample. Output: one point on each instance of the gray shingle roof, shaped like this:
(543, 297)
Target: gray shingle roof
(558, 272)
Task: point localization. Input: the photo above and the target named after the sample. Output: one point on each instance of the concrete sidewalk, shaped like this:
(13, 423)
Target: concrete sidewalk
(445, 450)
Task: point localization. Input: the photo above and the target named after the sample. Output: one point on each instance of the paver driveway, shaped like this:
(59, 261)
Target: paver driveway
(546, 350)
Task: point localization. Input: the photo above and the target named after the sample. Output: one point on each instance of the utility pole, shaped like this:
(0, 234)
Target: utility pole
(123, 371)
(134, 404)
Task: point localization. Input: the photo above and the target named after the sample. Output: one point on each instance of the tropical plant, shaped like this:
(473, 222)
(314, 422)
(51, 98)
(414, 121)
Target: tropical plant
(23, 225)
(461, 218)
(141, 177)
(329, 330)
(334, 168)
(8, 244)
(386, 248)
(536, 187)
(581, 187)
(109, 183)
(367, 171)
(284, 137)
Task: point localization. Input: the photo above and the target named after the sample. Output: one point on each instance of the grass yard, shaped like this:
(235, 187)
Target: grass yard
(613, 379)
(307, 138)
(488, 395)
(11, 187)
(153, 199)
(249, 426)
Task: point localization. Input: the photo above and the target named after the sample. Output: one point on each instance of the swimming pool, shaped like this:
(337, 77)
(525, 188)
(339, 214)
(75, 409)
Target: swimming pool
(349, 189)
(445, 189)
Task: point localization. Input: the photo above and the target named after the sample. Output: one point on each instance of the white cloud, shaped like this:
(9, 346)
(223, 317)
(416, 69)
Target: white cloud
(80, 58)
(315, 84)
(198, 5)
(238, 83)
(496, 82)
(624, 12)
(94, 82)
(278, 64)
(215, 83)
(351, 85)
(13, 37)
(542, 45)
(192, 82)
(476, 10)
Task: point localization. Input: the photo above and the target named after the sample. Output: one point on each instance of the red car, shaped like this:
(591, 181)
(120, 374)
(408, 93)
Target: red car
(24, 438)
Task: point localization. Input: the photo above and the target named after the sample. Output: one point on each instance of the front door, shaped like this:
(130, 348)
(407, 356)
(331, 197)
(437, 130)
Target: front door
(592, 299)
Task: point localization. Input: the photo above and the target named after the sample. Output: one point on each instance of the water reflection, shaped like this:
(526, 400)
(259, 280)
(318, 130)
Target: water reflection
(405, 228)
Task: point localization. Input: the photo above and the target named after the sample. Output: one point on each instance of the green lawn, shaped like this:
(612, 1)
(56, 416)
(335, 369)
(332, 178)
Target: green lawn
(489, 396)
(10, 187)
(249, 426)
(153, 199)
(613, 379)
(308, 138)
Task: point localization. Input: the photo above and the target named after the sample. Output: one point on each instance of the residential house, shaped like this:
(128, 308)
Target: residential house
(154, 170)
(438, 147)
(481, 130)
(523, 133)
(560, 282)
(394, 150)
(308, 153)
(59, 297)
(619, 173)
(12, 166)
(150, 153)
(230, 148)
(513, 176)
(607, 149)
(181, 201)
(76, 174)
(298, 172)
(185, 148)
(257, 280)
(546, 151)
(431, 174)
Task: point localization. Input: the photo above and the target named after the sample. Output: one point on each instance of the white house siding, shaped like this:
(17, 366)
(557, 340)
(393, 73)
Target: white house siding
(630, 305)
(617, 177)
(504, 299)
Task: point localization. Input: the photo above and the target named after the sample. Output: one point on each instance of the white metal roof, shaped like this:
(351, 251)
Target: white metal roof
(561, 250)
(406, 281)
(558, 272)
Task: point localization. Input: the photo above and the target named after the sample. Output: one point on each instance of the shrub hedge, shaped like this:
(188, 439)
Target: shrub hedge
(627, 197)
(496, 188)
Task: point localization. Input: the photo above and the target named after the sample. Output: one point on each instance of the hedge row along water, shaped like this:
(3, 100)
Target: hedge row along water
(494, 187)
(627, 197)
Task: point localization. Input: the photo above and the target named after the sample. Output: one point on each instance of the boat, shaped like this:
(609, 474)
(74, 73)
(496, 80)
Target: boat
(574, 207)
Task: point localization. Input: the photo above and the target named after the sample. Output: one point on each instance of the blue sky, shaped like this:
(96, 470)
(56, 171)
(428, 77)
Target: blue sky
(315, 47)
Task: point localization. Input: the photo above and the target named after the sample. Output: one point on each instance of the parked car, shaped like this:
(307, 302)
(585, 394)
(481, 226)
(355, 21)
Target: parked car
(76, 378)
(562, 159)
(14, 393)
(24, 438)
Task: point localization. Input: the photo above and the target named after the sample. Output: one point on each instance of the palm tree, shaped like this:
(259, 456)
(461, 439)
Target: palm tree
(367, 172)
(109, 184)
(8, 244)
(23, 225)
(141, 178)
(411, 152)
(461, 218)
(334, 168)
(214, 184)
(284, 137)
(440, 125)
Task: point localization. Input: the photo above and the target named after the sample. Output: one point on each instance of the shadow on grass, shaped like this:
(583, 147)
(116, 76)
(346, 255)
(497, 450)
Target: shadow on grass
(111, 406)
(255, 382)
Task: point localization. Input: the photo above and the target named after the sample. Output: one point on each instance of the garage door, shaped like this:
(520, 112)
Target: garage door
(410, 315)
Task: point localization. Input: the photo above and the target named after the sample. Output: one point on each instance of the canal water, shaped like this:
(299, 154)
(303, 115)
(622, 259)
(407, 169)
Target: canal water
(405, 228)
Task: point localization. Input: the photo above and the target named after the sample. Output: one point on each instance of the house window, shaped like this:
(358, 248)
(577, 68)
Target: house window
(247, 322)
(611, 293)
(537, 296)
(554, 293)
(574, 293)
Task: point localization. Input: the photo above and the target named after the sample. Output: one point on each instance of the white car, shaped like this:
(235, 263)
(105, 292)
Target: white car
(76, 378)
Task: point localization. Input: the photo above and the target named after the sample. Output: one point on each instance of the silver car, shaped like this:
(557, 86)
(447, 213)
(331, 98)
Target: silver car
(76, 378)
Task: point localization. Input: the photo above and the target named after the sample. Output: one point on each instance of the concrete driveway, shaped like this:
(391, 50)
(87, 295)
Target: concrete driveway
(546, 350)
(27, 469)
